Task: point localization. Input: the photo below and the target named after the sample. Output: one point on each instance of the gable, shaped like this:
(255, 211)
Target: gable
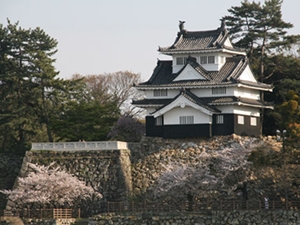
(182, 102)
(247, 75)
(227, 43)
(189, 73)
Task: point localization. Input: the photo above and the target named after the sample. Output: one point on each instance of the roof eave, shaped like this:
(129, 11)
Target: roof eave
(224, 50)
(154, 87)
(243, 104)
(269, 88)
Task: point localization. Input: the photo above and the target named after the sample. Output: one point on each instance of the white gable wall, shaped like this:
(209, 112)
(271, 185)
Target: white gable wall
(189, 73)
(247, 75)
(228, 43)
(172, 116)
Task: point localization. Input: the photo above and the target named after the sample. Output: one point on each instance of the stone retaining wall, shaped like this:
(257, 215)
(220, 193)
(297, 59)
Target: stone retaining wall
(107, 171)
(278, 217)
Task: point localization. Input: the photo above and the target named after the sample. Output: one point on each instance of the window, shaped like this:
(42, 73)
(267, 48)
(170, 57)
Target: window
(186, 119)
(207, 59)
(220, 119)
(163, 92)
(211, 59)
(203, 59)
(158, 121)
(240, 119)
(253, 121)
(219, 90)
(180, 60)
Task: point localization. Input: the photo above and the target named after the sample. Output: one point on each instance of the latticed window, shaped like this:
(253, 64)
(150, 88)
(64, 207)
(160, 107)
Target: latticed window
(158, 93)
(158, 121)
(211, 59)
(207, 59)
(203, 59)
(240, 119)
(220, 119)
(186, 119)
(180, 60)
(219, 90)
(253, 121)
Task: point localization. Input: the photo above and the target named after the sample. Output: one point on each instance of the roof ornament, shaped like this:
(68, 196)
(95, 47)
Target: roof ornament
(223, 23)
(181, 27)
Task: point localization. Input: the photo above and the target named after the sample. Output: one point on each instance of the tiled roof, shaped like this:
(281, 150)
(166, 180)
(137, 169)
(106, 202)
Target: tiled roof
(209, 103)
(230, 100)
(199, 40)
(150, 102)
(228, 74)
(193, 98)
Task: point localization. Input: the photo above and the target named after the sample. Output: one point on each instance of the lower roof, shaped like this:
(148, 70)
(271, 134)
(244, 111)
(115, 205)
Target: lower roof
(209, 101)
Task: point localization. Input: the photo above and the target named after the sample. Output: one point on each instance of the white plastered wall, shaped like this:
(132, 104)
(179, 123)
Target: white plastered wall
(241, 110)
(171, 94)
(172, 116)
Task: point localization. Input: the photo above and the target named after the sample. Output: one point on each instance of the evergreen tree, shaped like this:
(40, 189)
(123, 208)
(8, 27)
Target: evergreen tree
(86, 120)
(261, 30)
(30, 92)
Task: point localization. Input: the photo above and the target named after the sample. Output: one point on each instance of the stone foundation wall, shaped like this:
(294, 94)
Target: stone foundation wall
(278, 217)
(106, 171)
(10, 165)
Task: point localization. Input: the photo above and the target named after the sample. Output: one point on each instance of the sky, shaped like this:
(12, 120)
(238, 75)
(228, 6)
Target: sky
(106, 36)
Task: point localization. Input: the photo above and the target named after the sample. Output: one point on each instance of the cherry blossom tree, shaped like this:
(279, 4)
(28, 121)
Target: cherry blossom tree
(216, 172)
(49, 185)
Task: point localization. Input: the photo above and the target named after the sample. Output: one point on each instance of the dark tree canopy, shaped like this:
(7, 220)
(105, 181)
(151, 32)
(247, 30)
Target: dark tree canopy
(36, 105)
(127, 129)
(260, 29)
(27, 75)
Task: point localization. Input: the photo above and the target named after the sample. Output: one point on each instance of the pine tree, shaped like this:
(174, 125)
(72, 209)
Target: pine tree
(261, 30)
(30, 91)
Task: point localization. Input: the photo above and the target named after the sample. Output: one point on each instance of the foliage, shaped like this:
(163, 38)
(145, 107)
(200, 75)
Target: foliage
(265, 156)
(47, 185)
(261, 30)
(86, 120)
(218, 171)
(117, 87)
(30, 92)
(127, 129)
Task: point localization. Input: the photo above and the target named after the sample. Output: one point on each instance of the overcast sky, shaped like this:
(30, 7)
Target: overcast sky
(105, 36)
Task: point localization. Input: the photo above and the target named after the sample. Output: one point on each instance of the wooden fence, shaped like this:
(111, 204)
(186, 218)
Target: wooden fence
(46, 213)
(198, 206)
(147, 206)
